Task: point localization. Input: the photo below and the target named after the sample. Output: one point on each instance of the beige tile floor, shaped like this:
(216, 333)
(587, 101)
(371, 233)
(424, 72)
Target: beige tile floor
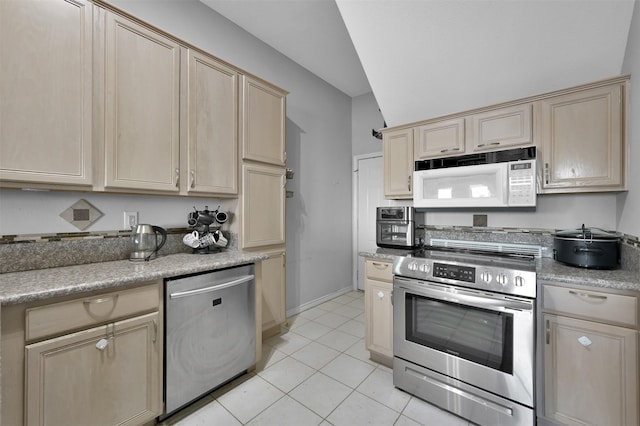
(316, 373)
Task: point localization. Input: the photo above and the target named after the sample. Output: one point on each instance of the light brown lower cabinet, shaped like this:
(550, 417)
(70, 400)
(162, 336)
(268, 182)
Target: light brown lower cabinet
(590, 355)
(273, 291)
(378, 285)
(106, 375)
(591, 373)
(93, 359)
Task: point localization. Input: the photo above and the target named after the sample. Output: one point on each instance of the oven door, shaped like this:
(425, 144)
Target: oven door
(394, 234)
(482, 339)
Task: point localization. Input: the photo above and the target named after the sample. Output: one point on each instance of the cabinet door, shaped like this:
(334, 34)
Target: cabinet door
(70, 380)
(379, 317)
(440, 139)
(262, 211)
(213, 123)
(398, 163)
(582, 141)
(590, 373)
(45, 91)
(142, 96)
(273, 290)
(500, 128)
(263, 136)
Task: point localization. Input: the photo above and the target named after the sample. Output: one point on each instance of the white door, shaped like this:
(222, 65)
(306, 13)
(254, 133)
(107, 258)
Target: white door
(368, 194)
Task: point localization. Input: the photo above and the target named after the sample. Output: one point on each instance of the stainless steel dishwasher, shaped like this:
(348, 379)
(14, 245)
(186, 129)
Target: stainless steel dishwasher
(209, 332)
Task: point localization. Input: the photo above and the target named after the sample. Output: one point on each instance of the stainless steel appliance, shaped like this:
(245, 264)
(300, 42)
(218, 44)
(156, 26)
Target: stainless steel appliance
(209, 332)
(490, 179)
(144, 242)
(463, 332)
(399, 227)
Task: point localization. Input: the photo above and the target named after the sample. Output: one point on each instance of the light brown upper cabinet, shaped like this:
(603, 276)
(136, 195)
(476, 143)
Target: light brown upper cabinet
(263, 206)
(583, 141)
(440, 139)
(500, 128)
(263, 128)
(397, 154)
(142, 107)
(213, 126)
(45, 93)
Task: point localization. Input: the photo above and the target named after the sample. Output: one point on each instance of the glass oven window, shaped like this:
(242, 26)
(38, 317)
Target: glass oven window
(478, 335)
(394, 233)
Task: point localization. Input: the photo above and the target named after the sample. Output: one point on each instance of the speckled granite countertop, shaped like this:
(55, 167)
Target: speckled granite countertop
(550, 270)
(28, 286)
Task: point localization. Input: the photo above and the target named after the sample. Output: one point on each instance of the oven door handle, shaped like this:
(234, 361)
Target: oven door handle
(457, 295)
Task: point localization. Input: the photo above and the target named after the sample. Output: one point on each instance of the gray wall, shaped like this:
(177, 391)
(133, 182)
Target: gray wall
(318, 146)
(629, 202)
(365, 116)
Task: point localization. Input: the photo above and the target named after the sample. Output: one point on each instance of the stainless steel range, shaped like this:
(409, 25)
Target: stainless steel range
(464, 331)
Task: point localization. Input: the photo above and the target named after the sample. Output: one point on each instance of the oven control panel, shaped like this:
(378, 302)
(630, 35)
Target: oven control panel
(454, 272)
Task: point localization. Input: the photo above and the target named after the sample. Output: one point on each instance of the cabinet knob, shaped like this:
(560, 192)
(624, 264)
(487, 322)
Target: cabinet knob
(102, 344)
(380, 295)
(585, 341)
(193, 178)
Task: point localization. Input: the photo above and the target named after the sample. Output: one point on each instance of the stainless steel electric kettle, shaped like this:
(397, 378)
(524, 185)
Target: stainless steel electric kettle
(144, 242)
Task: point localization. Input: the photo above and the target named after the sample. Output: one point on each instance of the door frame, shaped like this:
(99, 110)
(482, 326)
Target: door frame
(354, 212)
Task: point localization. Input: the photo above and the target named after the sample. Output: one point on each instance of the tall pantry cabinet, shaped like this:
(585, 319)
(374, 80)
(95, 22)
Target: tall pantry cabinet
(262, 200)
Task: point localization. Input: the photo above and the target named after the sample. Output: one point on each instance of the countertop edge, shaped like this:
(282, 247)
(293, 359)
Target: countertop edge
(42, 284)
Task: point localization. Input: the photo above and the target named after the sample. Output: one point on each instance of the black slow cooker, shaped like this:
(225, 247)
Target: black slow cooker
(587, 248)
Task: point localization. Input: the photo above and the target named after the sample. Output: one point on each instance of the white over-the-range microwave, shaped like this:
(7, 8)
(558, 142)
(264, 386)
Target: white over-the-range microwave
(491, 179)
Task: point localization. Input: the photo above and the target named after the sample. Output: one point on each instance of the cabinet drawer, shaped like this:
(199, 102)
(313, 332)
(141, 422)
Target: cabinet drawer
(379, 270)
(597, 305)
(83, 312)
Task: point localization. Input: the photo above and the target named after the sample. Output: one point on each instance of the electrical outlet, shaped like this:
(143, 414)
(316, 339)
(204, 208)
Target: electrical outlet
(130, 219)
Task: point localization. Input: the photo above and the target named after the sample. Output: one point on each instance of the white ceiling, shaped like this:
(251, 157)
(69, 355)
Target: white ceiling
(309, 32)
(426, 58)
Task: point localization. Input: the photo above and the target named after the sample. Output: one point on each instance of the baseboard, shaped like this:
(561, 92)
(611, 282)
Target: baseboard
(319, 301)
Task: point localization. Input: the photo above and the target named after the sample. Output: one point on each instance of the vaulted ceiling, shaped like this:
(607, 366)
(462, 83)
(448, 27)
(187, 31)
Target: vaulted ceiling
(426, 58)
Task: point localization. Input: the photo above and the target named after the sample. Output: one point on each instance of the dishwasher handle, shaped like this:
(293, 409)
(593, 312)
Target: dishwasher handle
(227, 284)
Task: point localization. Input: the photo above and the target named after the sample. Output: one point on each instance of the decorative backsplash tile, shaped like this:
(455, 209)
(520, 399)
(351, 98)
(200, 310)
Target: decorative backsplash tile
(27, 252)
(82, 214)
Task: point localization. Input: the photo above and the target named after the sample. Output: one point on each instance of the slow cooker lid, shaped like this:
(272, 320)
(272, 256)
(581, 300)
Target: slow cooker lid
(587, 234)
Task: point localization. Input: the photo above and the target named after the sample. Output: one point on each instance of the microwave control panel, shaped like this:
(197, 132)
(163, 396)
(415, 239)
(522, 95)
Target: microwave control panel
(522, 183)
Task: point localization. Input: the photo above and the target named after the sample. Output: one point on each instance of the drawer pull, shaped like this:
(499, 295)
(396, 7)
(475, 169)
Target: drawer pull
(590, 296)
(450, 150)
(487, 144)
(101, 300)
(547, 332)
(380, 265)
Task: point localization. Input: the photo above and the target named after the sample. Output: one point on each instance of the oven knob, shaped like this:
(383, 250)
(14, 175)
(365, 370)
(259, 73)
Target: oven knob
(486, 277)
(424, 268)
(413, 266)
(519, 281)
(501, 279)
